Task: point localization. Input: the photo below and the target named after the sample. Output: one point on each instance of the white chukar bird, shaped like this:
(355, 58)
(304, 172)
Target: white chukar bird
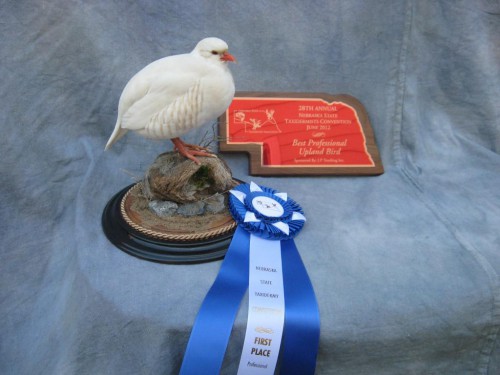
(175, 94)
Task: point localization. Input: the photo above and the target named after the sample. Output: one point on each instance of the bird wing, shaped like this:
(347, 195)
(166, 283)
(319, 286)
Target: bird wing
(156, 87)
(171, 89)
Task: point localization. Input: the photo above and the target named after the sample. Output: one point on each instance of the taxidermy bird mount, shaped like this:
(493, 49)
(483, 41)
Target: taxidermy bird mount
(175, 94)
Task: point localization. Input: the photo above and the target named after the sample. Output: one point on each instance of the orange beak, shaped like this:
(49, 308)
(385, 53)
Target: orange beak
(226, 56)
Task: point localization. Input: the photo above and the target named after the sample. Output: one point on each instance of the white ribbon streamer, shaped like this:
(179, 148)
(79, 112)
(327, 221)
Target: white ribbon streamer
(266, 310)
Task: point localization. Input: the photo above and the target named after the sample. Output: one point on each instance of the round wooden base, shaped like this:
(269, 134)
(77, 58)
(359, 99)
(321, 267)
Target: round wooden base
(140, 233)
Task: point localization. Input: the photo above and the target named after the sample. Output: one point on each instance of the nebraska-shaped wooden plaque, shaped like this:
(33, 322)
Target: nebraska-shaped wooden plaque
(300, 134)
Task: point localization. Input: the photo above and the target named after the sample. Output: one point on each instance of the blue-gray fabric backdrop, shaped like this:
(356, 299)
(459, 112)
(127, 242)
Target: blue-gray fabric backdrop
(405, 265)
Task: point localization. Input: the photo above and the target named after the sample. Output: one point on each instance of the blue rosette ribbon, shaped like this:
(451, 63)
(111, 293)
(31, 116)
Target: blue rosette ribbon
(283, 319)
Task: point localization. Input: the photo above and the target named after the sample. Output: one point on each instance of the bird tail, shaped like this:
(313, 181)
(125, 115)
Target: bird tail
(117, 134)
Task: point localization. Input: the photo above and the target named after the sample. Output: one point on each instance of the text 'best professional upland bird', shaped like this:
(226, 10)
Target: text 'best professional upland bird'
(175, 94)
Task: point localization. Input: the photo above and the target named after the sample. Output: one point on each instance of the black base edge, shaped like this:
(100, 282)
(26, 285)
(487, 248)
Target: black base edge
(132, 242)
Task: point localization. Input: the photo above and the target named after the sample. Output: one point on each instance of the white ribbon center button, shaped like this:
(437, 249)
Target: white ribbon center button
(267, 206)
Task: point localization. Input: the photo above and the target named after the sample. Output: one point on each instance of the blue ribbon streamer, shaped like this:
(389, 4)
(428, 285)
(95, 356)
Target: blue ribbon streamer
(301, 331)
(212, 328)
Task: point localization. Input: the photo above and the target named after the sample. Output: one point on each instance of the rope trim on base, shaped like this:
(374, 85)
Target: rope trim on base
(170, 236)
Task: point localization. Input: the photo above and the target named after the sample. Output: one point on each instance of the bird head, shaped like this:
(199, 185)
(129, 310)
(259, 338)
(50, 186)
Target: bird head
(214, 49)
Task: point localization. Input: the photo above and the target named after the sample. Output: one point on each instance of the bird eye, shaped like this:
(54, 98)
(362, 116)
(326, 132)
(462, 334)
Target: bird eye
(214, 52)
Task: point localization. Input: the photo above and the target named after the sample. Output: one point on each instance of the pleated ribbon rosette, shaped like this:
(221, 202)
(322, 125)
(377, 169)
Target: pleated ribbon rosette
(283, 319)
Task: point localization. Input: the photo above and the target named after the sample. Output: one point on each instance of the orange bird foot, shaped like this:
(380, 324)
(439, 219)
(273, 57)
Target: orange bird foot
(190, 151)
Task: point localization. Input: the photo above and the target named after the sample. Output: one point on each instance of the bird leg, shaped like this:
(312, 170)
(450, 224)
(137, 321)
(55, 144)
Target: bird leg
(195, 147)
(189, 150)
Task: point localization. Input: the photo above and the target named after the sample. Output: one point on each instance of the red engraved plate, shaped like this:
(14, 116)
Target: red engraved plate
(301, 134)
